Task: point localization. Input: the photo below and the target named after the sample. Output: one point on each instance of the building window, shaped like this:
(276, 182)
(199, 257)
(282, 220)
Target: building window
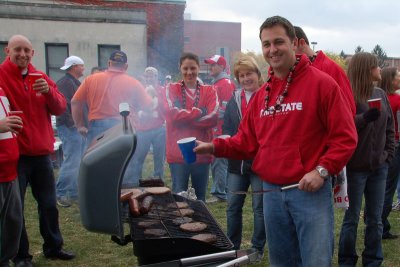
(55, 56)
(186, 39)
(105, 52)
(3, 54)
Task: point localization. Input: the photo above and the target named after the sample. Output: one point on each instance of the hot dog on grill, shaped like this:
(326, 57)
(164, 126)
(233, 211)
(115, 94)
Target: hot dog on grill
(147, 202)
(134, 206)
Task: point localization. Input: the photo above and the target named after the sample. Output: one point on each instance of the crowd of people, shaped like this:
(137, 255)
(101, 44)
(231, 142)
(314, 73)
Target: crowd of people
(302, 126)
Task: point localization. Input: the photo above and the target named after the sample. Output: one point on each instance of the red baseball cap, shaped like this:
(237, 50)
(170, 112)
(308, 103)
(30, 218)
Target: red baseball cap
(216, 59)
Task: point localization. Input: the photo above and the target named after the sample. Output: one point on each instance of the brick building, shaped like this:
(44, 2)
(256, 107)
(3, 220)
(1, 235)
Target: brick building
(207, 38)
(150, 32)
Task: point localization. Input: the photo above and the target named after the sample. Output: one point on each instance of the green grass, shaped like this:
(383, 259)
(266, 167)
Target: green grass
(98, 250)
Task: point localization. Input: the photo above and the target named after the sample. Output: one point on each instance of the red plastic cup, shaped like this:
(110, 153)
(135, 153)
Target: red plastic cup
(32, 77)
(18, 113)
(375, 103)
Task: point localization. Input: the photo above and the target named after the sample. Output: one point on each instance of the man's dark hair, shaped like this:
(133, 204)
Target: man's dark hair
(278, 20)
(300, 34)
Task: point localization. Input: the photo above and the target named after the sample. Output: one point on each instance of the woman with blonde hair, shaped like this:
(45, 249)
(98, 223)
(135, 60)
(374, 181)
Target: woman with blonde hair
(240, 175)
(368, 167)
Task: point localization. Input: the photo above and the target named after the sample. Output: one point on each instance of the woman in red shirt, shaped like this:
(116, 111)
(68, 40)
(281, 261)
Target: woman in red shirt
(191, 110)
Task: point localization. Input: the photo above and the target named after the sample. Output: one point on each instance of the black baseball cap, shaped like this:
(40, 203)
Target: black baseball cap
(118, 56)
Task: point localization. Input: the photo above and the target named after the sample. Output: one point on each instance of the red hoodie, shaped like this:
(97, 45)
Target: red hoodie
(8, 146)
(327, 65)
(37, 136)
(189, 122)
(314, 127)
(224, 88)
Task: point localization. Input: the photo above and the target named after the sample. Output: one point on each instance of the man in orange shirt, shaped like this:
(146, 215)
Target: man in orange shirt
(103, 92)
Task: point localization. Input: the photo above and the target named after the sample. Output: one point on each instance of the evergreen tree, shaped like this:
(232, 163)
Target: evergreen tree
(381, 54)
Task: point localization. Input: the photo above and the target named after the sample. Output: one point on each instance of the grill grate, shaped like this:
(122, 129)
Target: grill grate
(162, 214)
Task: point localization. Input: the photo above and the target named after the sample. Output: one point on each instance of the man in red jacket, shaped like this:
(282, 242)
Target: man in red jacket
(324, 63)
(224, 87)
(36, 143)
(291, 131)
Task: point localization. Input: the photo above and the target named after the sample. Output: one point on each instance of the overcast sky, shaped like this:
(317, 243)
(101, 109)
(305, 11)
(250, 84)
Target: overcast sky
(335, 25)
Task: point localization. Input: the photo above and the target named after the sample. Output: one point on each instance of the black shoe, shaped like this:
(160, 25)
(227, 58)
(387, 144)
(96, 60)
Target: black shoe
(389, 236)
(24, 263)
(60, 255)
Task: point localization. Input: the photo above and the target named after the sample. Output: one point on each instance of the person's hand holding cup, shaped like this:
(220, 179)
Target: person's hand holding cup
(186, 145)
(375, 103)
(13, 122)
(38, 84)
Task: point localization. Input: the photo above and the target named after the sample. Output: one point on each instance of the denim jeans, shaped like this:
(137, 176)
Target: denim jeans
(10, 221)
(145, 139)
(180, 173)
(299, 226)
(37, 171)
(234, 210)
(96, 127)
(219, 168)
(372, 185)
(398, 190)
(391, 184)
(72, 146)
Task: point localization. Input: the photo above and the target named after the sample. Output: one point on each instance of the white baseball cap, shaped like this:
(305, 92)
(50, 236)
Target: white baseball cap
(70, 61)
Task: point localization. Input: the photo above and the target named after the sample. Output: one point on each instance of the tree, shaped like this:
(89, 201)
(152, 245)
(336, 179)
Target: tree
(339, 59)
(381, 54)
(358, 50)
(342, 54)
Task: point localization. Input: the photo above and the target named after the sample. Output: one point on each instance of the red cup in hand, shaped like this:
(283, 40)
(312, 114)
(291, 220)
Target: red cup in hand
(32, 78)
(375, 103)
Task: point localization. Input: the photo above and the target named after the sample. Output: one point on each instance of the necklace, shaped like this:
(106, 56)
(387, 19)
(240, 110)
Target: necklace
(197, 94)
(281, 97)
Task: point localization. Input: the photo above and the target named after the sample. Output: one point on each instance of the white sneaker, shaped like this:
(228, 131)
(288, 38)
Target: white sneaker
(214, 199)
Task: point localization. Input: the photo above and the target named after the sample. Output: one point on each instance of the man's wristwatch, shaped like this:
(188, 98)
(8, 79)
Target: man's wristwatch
(322, 172)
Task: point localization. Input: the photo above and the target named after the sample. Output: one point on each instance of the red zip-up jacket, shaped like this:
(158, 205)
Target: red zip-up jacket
(37, 136)
(189, 122)
(8, 146)
(315, 127)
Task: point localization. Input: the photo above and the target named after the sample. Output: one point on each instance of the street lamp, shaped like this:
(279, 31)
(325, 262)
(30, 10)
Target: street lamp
(313, 45)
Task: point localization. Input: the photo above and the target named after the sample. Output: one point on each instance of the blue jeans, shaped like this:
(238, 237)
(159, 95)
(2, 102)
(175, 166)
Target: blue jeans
(234, 210)
(37, 171)
(391, 183)
(219, 168)
(72, 146)
(299, 226)
(180, 173)
(398, 190)
(96, 127)
(145, 139)
(372, 185)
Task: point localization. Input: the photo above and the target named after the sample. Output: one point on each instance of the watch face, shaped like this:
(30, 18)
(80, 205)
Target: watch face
(324, 173)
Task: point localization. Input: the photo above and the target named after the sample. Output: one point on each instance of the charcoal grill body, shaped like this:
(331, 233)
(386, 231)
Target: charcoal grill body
(100, 179)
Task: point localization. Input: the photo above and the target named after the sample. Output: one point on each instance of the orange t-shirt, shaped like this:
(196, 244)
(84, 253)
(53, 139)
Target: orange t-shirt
(104, 91)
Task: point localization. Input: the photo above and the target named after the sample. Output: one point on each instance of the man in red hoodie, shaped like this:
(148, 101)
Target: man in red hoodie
(36, 143)
(224, 87)
(291, 131)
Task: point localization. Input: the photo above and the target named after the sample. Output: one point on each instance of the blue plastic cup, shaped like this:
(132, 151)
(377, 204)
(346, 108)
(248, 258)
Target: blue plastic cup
(186, 146)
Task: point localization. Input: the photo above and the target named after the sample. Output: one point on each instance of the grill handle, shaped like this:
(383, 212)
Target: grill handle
(236, 262)
(208, 258)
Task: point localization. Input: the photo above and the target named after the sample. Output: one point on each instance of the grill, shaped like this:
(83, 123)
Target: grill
(101, 172)
(151, 249)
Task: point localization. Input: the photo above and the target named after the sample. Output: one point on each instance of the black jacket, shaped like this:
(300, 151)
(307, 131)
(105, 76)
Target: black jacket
(232, 118)
(67, 85)
(376, 141)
